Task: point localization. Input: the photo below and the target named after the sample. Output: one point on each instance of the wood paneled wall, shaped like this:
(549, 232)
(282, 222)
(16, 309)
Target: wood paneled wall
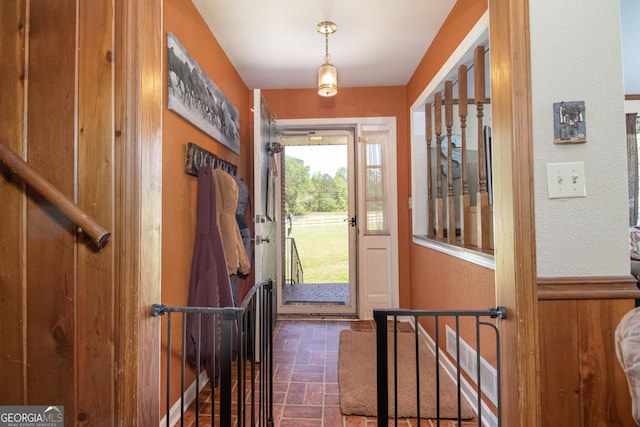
(60, 288)
(581, 381)
(74, 317)
(12, 244)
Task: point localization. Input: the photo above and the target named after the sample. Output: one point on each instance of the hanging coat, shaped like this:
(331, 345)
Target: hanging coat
(245, 234)
(209, 284)
(227, 203)
(243, 201)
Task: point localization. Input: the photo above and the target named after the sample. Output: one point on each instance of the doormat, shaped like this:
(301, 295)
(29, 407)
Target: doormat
(314, 303)
(357, 379)
(316, 294)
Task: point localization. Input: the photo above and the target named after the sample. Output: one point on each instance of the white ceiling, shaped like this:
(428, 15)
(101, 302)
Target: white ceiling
(274, 44)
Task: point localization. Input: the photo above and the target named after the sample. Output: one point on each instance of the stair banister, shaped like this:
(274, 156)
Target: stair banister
(482, 197)
(88, 225)
(429, 136)
(448, 120)
(465, 198)
(437, 112)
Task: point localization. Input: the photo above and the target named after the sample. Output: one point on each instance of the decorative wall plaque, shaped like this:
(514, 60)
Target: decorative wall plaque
(569, 123)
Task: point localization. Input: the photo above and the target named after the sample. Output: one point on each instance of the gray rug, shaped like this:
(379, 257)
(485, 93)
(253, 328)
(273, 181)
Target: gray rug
(357, 379)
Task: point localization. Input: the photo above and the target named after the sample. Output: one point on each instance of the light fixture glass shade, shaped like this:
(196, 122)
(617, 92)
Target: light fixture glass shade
(327, 80)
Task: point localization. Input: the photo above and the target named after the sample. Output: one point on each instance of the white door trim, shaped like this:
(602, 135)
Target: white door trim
(364, 312)
(350, 309)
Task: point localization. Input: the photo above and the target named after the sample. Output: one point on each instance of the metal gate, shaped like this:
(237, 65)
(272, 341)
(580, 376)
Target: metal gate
(245, 356)
(464, 361)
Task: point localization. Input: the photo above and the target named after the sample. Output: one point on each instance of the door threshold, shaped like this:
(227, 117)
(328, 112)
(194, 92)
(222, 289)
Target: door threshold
(316, 303)
(316, 316)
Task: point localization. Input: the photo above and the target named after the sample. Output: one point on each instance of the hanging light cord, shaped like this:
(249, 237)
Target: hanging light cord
(327, 57)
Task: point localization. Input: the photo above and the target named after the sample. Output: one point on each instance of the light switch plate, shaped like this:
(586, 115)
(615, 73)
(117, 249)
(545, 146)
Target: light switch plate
(566, 180)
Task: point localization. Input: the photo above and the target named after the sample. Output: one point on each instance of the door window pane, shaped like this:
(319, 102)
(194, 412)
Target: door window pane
(375, 194)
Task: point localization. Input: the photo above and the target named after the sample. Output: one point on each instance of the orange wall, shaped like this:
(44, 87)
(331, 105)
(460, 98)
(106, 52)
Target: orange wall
(360, 102)
(418, 282)
(440, 281)
(179, 189)
(425, 275)
(461, 19)
(349, 102)
(459, 285)
(443, 282)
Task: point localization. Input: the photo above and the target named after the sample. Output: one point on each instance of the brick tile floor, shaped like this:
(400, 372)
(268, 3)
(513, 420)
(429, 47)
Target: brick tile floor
(305, 388)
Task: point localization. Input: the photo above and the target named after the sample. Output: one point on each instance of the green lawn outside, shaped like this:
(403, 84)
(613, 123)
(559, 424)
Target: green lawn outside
(324, 252)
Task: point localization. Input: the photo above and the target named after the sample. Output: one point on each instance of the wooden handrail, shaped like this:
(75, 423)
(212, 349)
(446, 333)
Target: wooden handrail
(98, 234)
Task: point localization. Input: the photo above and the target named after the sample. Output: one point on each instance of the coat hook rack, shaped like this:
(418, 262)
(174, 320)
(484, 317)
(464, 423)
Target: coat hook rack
(197, 157)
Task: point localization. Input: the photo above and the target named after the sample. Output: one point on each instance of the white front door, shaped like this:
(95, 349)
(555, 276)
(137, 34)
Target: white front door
(376, 209)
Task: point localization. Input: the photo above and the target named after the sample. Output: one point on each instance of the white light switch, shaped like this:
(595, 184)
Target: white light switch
(566, 180)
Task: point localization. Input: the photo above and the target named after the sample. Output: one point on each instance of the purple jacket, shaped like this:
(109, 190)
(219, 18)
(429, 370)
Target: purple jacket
(209, 284)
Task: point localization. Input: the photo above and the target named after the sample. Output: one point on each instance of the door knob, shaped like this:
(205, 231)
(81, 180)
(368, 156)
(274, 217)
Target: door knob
(351, 221)
(261, 239)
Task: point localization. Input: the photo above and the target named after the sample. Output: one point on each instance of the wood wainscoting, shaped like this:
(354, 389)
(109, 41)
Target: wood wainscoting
(581, 381)
(82, 105)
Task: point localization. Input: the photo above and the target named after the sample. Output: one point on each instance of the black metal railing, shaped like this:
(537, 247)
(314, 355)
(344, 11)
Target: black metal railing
(245, 349)
(295, 273)
(387, 328)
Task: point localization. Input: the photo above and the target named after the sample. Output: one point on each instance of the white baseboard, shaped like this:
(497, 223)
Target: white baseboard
(190, 396)
(489, 419)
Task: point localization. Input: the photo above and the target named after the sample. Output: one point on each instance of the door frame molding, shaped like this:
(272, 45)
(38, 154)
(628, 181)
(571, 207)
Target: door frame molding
(358, 122)
(139, 41)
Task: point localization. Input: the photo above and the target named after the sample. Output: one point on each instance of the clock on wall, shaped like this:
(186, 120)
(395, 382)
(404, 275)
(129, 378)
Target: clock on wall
(456, 154)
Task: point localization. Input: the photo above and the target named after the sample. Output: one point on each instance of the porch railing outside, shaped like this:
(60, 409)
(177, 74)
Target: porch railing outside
(252, 366)
(295, 273)
(436, 319)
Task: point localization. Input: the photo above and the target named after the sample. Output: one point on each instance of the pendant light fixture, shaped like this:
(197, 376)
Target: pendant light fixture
(327, 74)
